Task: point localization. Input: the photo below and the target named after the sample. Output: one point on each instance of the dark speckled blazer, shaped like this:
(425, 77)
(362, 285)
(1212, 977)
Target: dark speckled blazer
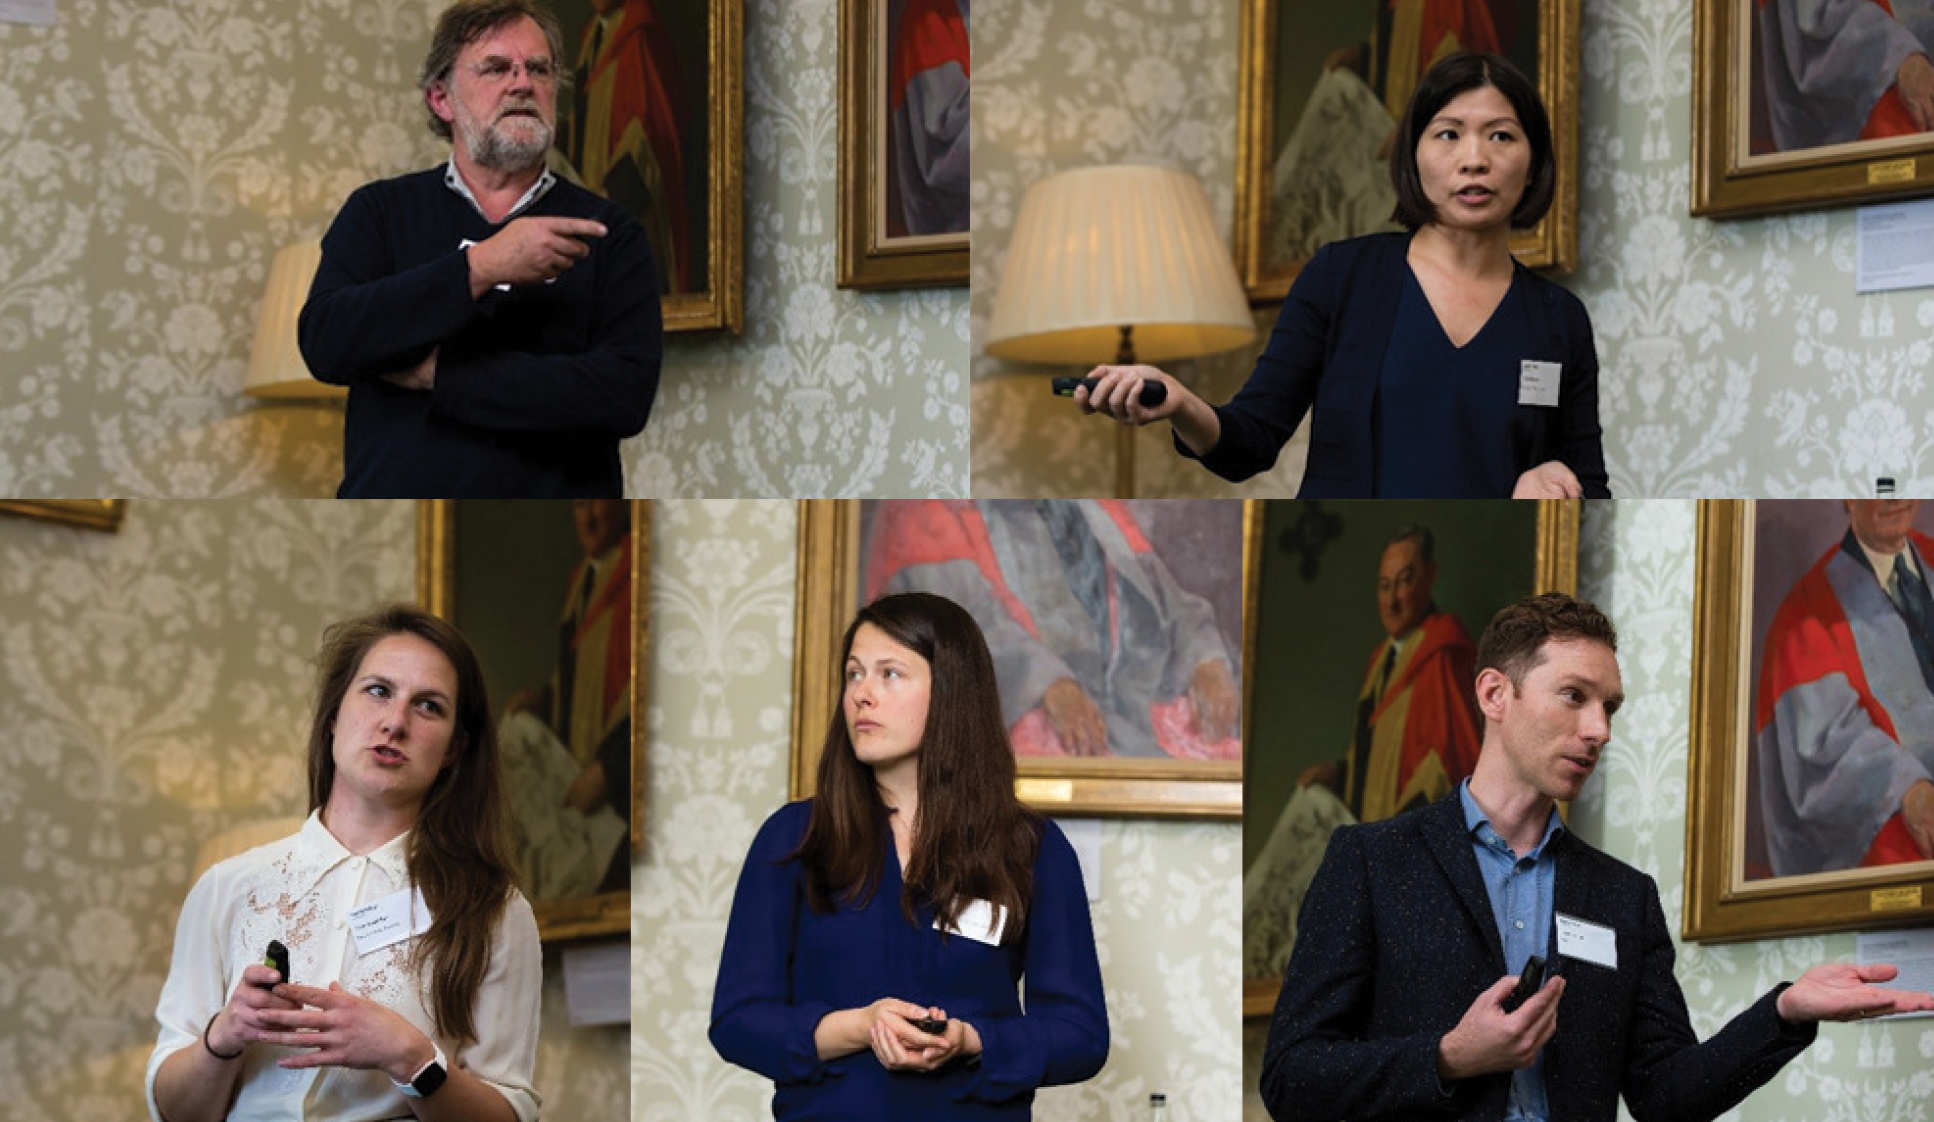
(1396, 939)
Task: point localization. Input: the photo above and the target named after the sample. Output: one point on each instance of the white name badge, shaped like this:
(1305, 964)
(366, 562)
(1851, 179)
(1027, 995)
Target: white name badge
(1538, 382)
(1592, 942)
(396, 917)
(980, 921)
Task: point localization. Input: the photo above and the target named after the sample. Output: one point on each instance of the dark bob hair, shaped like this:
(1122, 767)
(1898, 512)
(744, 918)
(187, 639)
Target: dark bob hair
(1454, 75)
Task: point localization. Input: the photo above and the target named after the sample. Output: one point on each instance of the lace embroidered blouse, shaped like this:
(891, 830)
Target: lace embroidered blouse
(301, 890)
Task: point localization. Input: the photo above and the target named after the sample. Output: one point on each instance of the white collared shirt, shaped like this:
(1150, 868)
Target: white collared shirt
(454, 181)
(300, 890)
(1883, 564)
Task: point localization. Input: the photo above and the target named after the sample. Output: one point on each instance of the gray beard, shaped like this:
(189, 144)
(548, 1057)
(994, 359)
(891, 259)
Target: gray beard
(493, 148)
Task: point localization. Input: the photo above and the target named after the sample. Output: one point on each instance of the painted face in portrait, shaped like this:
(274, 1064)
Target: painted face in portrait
(1882, 524)
(1473, 160)
(1404, 581)
(392, 732)
(1556, 723)
(600, 523)
(501, 97)
(885, 699)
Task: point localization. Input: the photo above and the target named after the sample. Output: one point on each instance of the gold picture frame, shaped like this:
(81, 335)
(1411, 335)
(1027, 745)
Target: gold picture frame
(869, 256)
(438, 581)
(89, 514)
(1551, 244)
(1731, 179)
(1722, 903)
(827, 582)
(1553, 567)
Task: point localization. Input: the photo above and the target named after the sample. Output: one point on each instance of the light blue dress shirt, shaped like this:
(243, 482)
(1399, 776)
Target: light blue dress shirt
(1521, 889)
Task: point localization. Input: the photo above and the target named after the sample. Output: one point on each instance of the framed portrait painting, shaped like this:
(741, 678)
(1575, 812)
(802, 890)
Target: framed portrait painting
(652, 120)
(1322, 88)
(553, 597)
(1366, 619)
(1807, 103)
(904, 141)
(1115, 629)
(1809, 802)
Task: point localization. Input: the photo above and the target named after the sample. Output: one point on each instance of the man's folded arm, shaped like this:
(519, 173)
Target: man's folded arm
(608, 388)
(363, 319)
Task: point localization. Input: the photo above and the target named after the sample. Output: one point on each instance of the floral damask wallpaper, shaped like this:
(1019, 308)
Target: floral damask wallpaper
(722, 611)
(155, 155)
(1735, 357)
(154, 684)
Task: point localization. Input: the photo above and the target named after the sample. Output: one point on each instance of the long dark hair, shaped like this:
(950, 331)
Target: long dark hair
(456, 849)
(973, 839)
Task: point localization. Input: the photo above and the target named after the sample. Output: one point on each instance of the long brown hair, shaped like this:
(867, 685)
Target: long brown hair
(973, 839)
(456, 849)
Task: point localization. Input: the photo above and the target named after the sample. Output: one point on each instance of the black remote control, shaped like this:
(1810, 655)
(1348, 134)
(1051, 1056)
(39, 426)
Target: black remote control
(278, 959)
(1529, 982)
(1153, 393)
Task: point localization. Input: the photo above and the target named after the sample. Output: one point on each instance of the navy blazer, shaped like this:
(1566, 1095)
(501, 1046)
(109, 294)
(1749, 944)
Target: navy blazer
(1327, 351)
(1396, 939)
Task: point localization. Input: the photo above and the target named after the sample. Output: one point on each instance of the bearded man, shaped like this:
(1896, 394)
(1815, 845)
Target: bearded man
(498, 327)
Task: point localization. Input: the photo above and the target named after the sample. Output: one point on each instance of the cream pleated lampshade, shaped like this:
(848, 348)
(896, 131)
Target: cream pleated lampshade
(1100, 248)
(275, 366)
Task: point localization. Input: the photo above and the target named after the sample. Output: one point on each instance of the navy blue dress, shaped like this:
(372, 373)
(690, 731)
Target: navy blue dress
(786, 966)
(1443, 412)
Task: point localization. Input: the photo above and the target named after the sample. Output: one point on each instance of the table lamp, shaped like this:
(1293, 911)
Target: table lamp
(1117, 264)
(275, 366)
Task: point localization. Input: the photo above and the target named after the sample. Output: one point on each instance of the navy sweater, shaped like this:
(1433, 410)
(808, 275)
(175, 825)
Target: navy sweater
(534, 386)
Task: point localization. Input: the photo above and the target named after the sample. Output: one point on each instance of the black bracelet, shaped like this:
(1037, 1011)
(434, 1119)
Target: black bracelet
(211, 1047)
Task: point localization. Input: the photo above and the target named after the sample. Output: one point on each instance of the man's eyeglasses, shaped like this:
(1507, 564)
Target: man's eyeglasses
(498, 69)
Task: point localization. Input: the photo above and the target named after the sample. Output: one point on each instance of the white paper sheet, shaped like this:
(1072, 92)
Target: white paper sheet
(1084, 834)
(1894, 246)
(1911, 950)
(27, 11)
(597, 983)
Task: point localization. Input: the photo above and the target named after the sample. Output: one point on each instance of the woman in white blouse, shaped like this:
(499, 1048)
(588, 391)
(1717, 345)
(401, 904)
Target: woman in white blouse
(399, 1003)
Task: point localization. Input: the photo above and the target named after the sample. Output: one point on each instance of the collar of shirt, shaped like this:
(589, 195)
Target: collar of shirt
(317, 851)
(454, 181)
(1882, 564)
(1479, 825)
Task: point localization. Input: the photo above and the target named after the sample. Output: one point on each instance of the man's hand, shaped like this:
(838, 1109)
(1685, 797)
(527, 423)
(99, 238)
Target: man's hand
(347, 1031)
(1917, 813)
(1075, 718)
(1326, 774)
(587, 790)
(422, 376)
(1549, 480)
(1488, 1039)
(530, 250)
(1839, 991)
(1212, 695)
(1915, 81)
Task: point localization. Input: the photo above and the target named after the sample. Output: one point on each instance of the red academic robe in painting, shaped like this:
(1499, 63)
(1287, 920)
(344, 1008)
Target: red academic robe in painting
(1843, 720)
(1063, 590)
(1423, 730)
(627, 144)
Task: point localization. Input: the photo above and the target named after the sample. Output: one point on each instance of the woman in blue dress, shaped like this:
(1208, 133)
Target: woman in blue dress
(1435, 365)
(882, 930)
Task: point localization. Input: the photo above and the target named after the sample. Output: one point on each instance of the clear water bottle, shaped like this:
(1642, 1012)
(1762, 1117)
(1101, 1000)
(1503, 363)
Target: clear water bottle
(1158, 1107)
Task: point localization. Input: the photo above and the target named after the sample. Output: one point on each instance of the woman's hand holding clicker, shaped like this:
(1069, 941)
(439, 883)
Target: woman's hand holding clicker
(244, 1019)
(903, 1047)
(1118, 390)
(347, 1031)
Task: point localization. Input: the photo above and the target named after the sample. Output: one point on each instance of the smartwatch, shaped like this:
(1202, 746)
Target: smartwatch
(428, 1077)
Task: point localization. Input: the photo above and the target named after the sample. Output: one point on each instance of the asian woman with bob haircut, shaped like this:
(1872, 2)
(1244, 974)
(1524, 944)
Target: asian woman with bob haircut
(413, 968)
(882, 930)
(1435, 365)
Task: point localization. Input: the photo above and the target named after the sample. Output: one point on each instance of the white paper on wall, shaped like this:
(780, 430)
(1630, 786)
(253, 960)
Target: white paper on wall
(1894, 246)
(1911, 950)
(27, 11)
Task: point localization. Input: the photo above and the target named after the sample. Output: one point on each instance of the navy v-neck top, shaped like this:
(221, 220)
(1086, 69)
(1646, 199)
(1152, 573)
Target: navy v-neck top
(1442, 411)
(786, 966)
